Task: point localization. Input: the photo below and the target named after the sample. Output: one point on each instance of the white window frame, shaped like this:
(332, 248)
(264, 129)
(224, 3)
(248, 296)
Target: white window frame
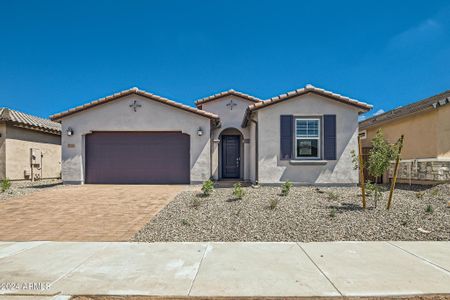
(318, 138)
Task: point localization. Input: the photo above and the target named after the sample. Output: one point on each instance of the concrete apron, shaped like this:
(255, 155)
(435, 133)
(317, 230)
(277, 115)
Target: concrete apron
(225, 269)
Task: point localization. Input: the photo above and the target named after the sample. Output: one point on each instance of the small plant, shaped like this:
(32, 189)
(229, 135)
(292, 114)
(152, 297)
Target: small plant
(429, 209)
(184, 222)
(273, 203)
(285, 188)
(207, 187)
(332, 213)
(435, 192)
(6, 184)
(419, 195)
(238, 191)
(196, 202)
(374, 190)
(332, 196)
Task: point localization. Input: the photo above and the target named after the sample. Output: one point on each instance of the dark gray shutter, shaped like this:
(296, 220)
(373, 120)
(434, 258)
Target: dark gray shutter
(286, 136)
(329, 137)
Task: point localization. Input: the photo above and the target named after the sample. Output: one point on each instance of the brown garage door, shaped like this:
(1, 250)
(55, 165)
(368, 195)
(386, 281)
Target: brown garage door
(137, 157)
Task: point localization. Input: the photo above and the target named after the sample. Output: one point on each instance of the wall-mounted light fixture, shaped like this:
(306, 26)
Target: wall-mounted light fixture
(200, 131)
(69, 131)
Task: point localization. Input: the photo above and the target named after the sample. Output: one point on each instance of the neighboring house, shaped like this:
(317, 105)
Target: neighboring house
(425, 158)
(30, 147)
(305, 136)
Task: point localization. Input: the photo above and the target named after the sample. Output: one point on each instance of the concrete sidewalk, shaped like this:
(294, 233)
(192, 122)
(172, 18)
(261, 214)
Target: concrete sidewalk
(225, 269)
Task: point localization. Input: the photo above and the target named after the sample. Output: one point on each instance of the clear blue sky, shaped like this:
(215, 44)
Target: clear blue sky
(58, 54)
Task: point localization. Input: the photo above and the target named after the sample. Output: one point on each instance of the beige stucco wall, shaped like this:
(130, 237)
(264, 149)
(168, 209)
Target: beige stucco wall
(274, 170)
(230, 118)
(2, 151)
(20, 141)
(443, 131)
(118, 116)
(420, 132)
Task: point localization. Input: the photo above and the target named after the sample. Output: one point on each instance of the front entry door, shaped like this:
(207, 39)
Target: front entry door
(231, 156)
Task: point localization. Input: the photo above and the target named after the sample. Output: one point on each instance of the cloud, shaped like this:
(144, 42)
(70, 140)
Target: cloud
(425, 32)
(361, 118)
(379, 112)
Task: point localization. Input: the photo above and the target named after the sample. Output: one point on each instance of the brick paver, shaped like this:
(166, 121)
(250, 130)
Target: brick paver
(83, 213)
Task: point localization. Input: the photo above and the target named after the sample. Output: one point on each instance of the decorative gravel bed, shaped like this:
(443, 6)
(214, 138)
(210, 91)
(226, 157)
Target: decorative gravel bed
(20, 188)
(307, 214)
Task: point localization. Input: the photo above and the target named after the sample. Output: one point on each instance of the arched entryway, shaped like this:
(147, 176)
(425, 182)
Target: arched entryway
(231, 154)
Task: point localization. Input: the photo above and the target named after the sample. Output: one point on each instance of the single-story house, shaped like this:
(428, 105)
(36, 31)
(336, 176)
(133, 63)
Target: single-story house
(425, 157)
(30, 147)
(305, 136)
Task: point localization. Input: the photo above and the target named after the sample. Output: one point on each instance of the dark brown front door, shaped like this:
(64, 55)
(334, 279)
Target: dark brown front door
(231, 156)
(137, 157)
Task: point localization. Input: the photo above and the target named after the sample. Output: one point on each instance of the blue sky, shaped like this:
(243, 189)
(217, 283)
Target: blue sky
(58, 54)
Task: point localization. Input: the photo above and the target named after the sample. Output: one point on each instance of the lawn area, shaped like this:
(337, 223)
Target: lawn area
(307, 214)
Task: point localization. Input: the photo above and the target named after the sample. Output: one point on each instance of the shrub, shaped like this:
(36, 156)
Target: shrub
(196, 202)
(6, 184)
(273, 203)
(184, 222)
(435, 192)
(332, 196)
(374, 190)
(285, 188)
(207, 187)
(419, 195)
(238, 191)
(429, 209)
(333, 212)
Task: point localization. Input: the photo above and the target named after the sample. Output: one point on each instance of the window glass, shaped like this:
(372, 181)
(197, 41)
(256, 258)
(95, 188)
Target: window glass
(307, 139)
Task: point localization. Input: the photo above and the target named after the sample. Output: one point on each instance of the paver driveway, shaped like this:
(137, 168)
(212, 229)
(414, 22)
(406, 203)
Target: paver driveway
(83, 213)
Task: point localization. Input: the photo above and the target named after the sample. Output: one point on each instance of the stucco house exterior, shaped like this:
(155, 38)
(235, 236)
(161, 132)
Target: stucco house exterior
(425, 124)
(30, 147)
(305, 136)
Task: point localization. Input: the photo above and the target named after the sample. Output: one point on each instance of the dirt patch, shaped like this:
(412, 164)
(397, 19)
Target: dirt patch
(307, 214)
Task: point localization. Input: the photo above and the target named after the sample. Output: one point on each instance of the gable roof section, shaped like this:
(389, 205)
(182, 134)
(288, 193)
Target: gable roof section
(416, 107)
(364, 107)
(199, 102)
(136, 91)
(24, 120)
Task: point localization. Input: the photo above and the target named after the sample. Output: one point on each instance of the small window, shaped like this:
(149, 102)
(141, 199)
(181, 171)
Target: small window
(363, 134)
(307, 138)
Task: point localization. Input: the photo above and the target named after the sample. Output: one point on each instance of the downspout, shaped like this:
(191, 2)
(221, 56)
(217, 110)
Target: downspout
(256, 150)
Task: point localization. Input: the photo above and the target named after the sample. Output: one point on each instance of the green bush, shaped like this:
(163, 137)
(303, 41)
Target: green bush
(285, 188)
(6, 184)
(207, 187)
(238, 191)
(429, 209)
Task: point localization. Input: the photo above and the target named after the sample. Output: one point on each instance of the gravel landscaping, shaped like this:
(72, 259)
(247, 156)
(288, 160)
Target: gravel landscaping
(20, 188)
(307, 214)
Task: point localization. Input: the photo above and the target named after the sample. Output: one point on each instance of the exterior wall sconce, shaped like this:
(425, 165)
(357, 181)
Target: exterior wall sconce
(200, 131)
(69, 131)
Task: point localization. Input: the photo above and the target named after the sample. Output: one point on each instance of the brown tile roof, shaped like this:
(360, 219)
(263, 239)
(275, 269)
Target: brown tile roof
(307, 89)
(226, 93)
(28, 121)
(416, 107)
(59, 116)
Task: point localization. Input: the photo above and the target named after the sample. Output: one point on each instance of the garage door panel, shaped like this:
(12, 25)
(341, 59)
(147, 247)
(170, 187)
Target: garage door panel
(137, 157)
